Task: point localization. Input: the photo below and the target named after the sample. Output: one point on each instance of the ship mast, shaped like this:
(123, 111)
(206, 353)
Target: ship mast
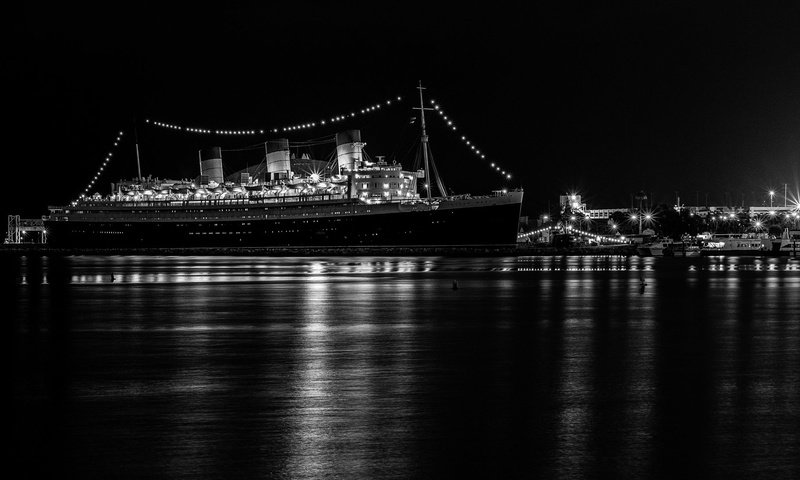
(424, 139)
(138, 162)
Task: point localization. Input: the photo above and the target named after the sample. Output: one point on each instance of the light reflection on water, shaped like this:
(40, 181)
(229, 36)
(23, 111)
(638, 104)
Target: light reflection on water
(144, 269)
(367, 367)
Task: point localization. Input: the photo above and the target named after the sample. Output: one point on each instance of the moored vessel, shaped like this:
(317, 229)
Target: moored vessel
(349, 200)
(736, 244)
(790, 242)
(659, 247)
(667, 247)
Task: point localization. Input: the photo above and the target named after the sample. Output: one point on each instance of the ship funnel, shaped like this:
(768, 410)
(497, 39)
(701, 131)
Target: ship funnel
(278, 164)
(348, 149)
(211, 164)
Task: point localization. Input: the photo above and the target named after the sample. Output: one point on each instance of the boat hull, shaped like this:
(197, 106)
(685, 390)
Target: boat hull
(734, 252)
(478, 223)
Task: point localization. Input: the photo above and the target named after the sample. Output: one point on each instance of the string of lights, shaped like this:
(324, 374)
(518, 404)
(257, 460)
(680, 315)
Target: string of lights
(535, 232)
(450, 124)
(288, 128)
(596, 236)
(99, 172)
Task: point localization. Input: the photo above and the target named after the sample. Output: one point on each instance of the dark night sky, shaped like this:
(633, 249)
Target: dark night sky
(654, 96)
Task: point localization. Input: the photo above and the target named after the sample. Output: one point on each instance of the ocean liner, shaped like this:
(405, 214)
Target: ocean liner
(352, 200)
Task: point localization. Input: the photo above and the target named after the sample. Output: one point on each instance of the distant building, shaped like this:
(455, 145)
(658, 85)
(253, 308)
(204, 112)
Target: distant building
(575, 203)
(767, 211)
(604, 213)
(571, 201)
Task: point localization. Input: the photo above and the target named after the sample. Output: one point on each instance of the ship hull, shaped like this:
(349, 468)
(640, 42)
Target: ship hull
(480, 223)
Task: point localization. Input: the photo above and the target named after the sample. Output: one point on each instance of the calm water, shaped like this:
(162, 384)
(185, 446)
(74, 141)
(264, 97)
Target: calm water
(535, 367)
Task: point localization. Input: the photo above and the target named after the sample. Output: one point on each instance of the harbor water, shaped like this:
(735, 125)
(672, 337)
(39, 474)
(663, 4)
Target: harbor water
(403, 367)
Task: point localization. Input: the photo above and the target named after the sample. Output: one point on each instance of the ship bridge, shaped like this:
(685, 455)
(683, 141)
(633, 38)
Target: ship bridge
(382, 181)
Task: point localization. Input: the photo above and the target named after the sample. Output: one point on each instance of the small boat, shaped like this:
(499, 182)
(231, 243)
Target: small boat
(656, 248)
(736, 245)
(790, 242)
(667, 247)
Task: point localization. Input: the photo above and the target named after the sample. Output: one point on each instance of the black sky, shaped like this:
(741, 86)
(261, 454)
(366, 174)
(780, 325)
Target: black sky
(654, 96)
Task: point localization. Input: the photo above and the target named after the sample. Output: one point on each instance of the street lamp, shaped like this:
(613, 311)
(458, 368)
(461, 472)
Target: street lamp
(639, 216)
(771, 194)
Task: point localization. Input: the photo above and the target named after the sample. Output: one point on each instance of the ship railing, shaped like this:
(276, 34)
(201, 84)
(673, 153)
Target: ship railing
(212, 202)
(504, 192)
